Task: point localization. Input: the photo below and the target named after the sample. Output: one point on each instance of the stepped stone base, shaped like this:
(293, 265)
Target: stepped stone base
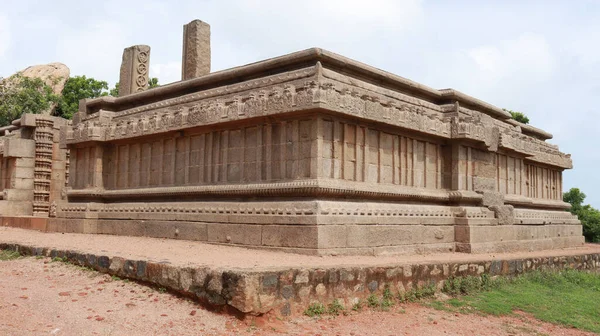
(287, 286)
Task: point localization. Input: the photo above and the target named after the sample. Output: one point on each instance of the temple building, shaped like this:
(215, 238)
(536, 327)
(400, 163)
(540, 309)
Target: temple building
(312, 153)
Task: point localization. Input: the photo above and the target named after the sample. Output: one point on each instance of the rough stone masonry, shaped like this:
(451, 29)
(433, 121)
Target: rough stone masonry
(313, 153)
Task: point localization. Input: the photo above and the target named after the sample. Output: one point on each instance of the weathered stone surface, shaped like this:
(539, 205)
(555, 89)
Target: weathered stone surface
(54, 75)
(135, 68)
(196, 50)
(252, 292)
(296, 154)
(32, 171)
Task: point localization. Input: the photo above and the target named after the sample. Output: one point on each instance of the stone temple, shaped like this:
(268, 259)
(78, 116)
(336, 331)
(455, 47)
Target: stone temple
(311, 153)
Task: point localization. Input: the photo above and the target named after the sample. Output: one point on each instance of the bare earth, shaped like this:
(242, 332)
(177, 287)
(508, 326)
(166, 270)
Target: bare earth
(40, 297)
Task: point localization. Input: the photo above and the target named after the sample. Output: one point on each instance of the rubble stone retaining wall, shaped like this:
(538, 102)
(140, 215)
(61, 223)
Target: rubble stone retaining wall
(289, 291)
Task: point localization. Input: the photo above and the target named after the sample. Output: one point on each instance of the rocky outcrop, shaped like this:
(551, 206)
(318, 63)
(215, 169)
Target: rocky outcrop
(54, 75)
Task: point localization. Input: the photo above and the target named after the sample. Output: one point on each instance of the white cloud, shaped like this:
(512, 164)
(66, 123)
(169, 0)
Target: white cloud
(527, 55)
(95, 51)
(5, 35)
(584, 46)
(166, 72)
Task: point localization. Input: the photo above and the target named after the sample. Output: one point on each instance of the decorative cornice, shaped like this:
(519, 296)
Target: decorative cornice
(316, 188)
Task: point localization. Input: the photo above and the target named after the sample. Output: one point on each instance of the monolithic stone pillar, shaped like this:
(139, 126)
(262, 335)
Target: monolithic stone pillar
(196, 50)
(134, 70)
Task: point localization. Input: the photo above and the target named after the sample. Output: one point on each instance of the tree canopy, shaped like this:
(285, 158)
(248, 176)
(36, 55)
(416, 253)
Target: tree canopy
(589, 216)
(77, 88)
(20, 94)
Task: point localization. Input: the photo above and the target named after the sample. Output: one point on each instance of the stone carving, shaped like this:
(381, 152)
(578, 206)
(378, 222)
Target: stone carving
(33, 166)
(134, 70)
(314, 153)
(196, 50)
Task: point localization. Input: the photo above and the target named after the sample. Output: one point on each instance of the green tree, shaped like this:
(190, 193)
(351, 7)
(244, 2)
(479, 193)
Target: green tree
(152, 83)
(518, 116)
(589, 216)
(19, 94)
(115, 91)
(77, 88)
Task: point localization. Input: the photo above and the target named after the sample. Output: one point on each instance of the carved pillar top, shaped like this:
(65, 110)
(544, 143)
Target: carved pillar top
(134, 70)
(196, 50)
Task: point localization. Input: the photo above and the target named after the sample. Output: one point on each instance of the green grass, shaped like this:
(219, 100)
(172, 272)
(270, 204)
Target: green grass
(315, 309)
(568, 297)
(8, 255)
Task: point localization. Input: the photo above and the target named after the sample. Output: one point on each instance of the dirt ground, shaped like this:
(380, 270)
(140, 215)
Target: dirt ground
(40, 297)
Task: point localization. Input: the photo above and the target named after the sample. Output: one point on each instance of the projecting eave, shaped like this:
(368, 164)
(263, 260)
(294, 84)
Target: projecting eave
(530, 130)
(297, 60)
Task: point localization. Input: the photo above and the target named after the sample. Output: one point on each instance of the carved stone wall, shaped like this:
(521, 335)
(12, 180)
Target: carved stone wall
(32, 165)
(315, 153)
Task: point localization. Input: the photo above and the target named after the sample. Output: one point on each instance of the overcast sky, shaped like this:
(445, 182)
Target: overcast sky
(538, 57)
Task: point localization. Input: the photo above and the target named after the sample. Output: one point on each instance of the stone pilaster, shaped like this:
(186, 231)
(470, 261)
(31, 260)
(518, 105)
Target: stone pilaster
(196, 50)
(134, 70)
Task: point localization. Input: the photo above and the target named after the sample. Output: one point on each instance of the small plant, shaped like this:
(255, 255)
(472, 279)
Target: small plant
(470, 284)
(315, 309)
(115, 278)
(425, 292)
(39, 257)
(414, 295)
(357, 306)
(59, 259)
(162, 290)
(9, 255)
(372, 301)
(335, 308)
(388, 299)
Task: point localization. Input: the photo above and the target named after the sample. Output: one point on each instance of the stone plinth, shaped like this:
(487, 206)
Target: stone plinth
(315, 153)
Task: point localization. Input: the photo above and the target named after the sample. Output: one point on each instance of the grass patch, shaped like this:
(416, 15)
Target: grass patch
(417, 294)
(9, 255)
(357, 306)
(335, 308)
(373, 301)
(315, 309)
(567, 297)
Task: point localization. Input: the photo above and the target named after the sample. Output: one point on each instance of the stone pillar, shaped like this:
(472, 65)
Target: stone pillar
(196, 50)
(134, 70)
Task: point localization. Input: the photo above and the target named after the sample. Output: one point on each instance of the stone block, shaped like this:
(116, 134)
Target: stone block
(196, 50)
(18, 195)
(235, 234)
(24, 162)
(484, 184)
(176, 230)
(332, 236)
(16, 208)
(19, 148)
(24, 173)
(290, 236)
(23, 183)
(491, 198)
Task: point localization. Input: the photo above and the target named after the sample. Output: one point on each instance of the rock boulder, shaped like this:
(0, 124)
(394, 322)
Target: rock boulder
(54, 75)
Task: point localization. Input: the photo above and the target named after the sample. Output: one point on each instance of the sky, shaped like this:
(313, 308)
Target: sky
(538, 57)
